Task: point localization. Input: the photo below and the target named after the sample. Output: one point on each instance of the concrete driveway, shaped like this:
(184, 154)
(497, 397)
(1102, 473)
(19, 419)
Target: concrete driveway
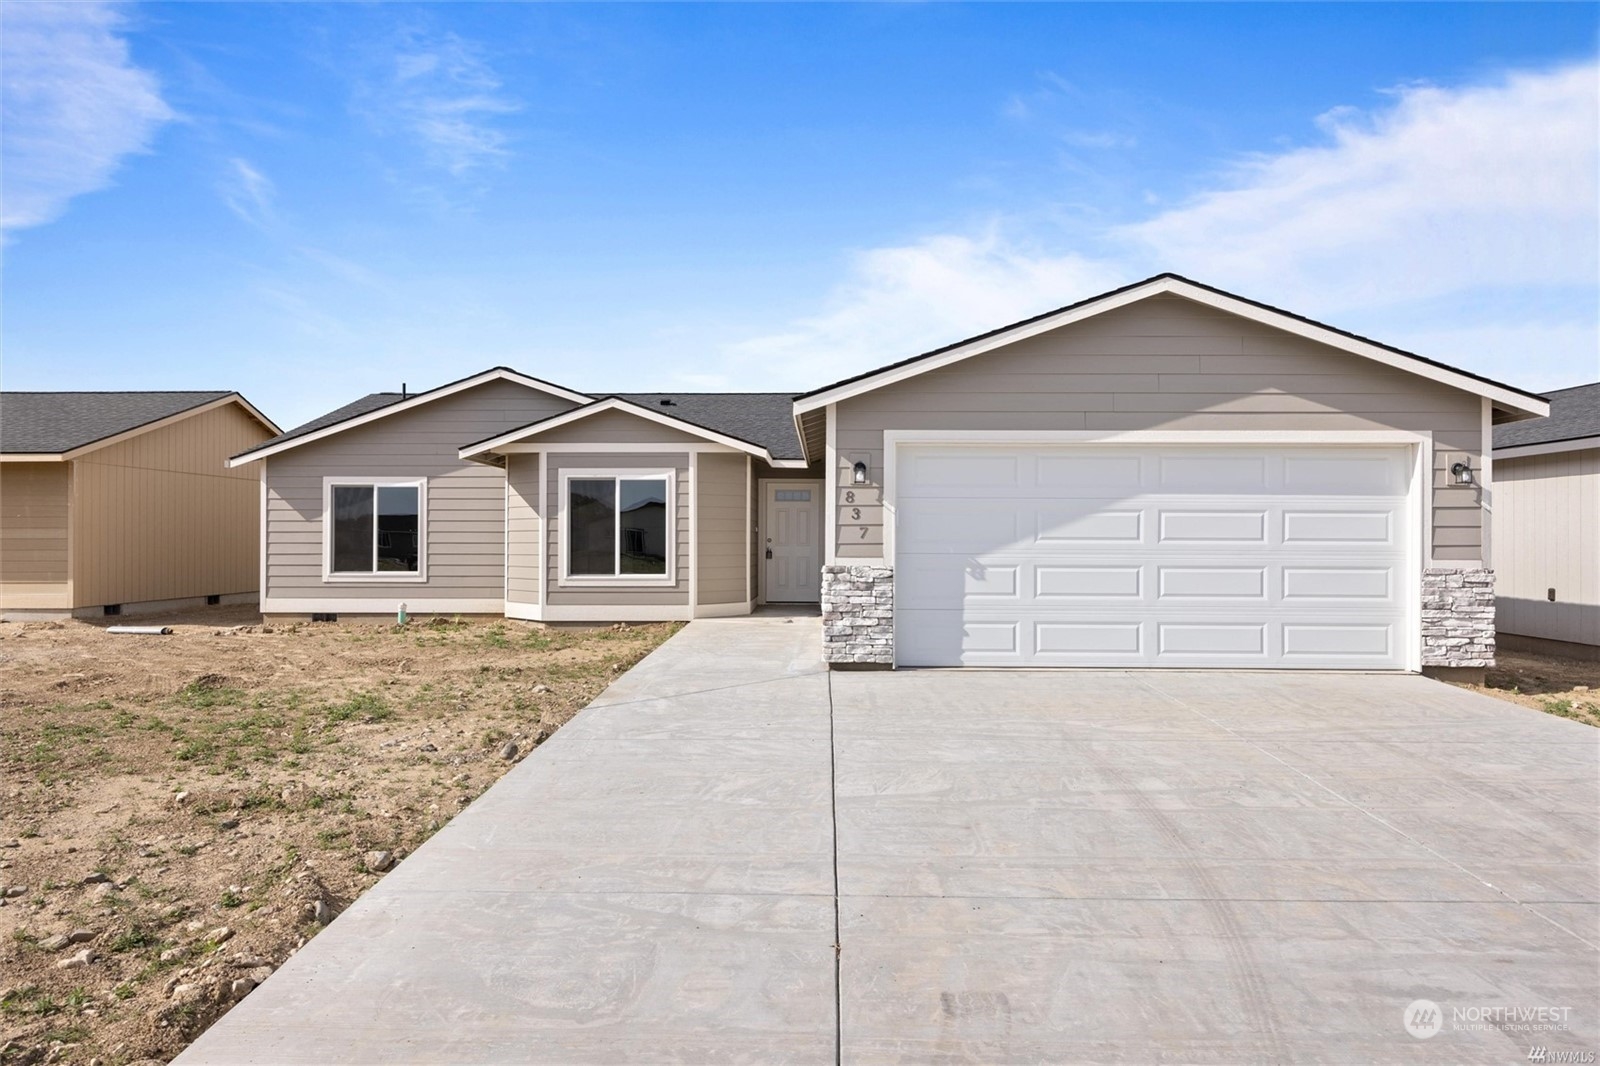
(1018, 867)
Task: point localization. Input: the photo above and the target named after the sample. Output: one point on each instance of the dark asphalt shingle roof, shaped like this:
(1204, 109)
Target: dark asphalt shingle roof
(52, 422)
(1574, 413)
(761, 418)
(367, 404)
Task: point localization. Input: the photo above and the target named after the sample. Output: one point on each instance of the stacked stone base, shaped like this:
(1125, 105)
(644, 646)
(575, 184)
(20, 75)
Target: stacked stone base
(858, 615)
(1457, 618)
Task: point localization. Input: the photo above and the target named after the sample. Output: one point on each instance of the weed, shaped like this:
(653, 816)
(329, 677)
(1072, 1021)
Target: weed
(231, 899)
(125, 990)
(135, 937)
(187, 850)
(363, 705)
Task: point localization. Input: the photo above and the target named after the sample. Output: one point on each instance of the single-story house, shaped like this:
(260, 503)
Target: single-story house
(1164, 475)
(1547, 527)
(123, 502)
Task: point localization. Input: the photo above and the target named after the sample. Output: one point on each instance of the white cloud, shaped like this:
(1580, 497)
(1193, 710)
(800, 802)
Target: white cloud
(249, 193)
(1397, 224)
(72, 106)
(442, 94)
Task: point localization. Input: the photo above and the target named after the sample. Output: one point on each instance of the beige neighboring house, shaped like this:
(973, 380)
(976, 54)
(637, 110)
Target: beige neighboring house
(1166, 475)
(123, 502)
(1547, 527)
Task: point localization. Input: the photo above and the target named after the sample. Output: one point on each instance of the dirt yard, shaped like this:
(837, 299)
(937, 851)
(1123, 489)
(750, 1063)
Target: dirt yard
(178, 814)
(1567, 688)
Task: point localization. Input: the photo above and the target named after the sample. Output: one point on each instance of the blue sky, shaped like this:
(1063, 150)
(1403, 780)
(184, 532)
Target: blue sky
(309, 202)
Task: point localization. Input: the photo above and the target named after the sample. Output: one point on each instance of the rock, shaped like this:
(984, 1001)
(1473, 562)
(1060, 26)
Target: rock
(541, 689)
(241, 987)
(148, 853)
(508, 751)
(102, 890)
(260, 973)
(427, 747)
(96, 878)
(11, 844)
(181, 797)
(171, 954)
(220, 935)
(379, 861)
(247, 962)
(228, 823)
(80, 936)
(55, 943)
(16, 891)
(541, 736)
(321, 913)
(187, 990)
(82, 958)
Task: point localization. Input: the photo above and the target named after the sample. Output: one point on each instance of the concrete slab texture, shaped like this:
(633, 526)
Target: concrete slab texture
(1014, 866)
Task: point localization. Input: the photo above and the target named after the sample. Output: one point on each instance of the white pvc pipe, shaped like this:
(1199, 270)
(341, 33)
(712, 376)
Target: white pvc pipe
(143, 631)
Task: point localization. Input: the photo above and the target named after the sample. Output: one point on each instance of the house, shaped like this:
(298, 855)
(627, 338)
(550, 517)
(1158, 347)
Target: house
(1547, 528)
(1163, 475)
(121, 502)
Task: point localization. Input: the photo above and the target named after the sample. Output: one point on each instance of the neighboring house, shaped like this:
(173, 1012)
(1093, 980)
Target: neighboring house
(117, 502)
(1547, 527)
(1164, 475)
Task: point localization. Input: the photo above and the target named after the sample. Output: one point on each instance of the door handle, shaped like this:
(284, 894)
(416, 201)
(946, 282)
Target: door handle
(769, 553)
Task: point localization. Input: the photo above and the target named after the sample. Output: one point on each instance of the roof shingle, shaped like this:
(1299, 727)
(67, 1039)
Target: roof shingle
(47, 423)
(1574, 413)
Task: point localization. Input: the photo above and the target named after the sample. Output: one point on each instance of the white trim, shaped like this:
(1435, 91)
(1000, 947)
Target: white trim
(261, 588)
(524, 612)
(1157, 286)
(788, 464)
(544, 530)
(497, 374)
(767, 484)
(1555, 447)
(1485, 481)
(1420, 505)
(830, 477)
(377, 577)
(505, 534)
(33, 457)
(522, 434)
(723, 610)
(750, 555)
(692, 473)
(685, 448)
(384, 605)
(564, 579)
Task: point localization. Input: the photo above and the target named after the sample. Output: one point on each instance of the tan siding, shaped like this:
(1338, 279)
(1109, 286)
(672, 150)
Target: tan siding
(466, 521)
(720, 508)
(678, 592)
(616, 427)
(160, 516)
(33, 536)
(1170, 364)
(1547, 535)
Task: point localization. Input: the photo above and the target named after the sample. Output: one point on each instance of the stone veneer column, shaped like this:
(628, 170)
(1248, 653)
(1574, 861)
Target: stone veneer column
(858, 615)
(1457, 617)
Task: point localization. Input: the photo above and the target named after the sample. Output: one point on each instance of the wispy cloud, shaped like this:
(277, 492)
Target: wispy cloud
(439, 92)
(248, 193)
(1398, 221)
(73, 105)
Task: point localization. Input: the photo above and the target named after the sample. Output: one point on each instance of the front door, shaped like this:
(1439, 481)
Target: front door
(791, 535)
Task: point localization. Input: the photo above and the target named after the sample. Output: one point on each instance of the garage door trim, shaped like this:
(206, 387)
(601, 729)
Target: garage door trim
(1418, 536)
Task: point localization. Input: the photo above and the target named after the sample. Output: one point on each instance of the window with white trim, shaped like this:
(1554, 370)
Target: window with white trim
(374, 529)
(619, 526)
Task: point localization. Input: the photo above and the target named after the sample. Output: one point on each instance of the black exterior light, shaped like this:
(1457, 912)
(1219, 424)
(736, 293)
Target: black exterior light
(859, 473)
(1462, 472)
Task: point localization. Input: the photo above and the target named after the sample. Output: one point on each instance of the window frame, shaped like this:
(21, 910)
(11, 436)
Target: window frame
(567, 579)
(385, 577)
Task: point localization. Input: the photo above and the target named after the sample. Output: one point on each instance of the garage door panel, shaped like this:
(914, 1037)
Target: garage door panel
(1191, 562)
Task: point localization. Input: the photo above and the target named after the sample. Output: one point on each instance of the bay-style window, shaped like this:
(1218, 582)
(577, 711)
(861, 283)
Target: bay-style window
(374, 528)
(619, 526)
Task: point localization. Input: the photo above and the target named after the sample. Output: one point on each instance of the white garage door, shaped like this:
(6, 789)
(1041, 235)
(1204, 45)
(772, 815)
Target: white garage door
(1094, 555)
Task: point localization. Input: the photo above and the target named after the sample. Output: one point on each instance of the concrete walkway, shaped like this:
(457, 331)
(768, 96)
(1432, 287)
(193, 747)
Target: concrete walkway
(1020, 867)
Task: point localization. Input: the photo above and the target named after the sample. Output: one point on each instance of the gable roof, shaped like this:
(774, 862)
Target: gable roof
(378, 405)
(56, 423)
(1574, 416)
(730, 419)
(1512, 400)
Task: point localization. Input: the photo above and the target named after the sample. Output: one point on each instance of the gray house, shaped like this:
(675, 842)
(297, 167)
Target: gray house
(1547, 527)
(1166, 475)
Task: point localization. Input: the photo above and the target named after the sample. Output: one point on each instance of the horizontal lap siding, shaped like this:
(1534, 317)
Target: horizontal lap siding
(721, 512)
(1547, 535)
(33, 536)
(616, 427)
(467, 502)
(160, 515)
(1164, 364)
(622, 596)
(522, 528)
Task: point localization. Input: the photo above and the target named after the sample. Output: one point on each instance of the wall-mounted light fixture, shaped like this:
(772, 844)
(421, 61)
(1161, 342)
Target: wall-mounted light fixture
(859, 473)
(1462, 472)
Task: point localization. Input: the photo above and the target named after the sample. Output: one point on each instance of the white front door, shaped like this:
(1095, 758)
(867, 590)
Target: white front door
(1099, 555)
(791, 542)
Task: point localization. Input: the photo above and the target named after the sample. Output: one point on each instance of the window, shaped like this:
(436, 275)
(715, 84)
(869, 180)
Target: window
(792, 495)
(374, 529)
(619, 526)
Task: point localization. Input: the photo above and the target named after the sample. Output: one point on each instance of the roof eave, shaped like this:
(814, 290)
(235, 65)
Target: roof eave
(521, 434)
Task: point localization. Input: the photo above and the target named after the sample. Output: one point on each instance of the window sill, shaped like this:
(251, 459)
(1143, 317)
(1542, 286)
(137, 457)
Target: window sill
(374, 579)
(623, 581)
